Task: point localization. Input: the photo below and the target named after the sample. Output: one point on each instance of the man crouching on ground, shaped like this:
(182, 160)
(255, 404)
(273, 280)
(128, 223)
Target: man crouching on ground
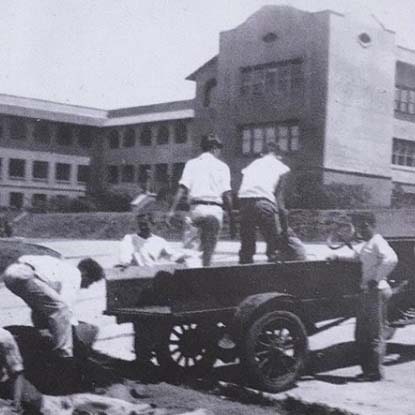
(49, 286)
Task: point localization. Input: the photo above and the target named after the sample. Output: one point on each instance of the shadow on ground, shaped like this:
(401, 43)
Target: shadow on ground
(101, 371)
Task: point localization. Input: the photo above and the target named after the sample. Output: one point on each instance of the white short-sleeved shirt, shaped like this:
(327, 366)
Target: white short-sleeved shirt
(206, 178)
(53, 270)
(260, 178)
(144, 252)
(378, 260)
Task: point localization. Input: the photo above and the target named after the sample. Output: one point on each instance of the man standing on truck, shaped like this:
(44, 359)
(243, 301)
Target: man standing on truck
(378, 260)
(262, 205)
(206, 181)
(49, 286)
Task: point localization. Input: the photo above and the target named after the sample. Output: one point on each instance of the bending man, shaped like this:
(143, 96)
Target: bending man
(262, 205)
(49, 286)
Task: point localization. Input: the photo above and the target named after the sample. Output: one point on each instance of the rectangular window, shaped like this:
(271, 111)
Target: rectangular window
(64, 135)
(40, 170)
(258, 142)
(127, 173)
(16, 200)
(17, 168)
(403, 152)
(283, 137)
(405, 100)
(284, 77)
(63, 172)
(113, 174)
(287, 135)
(39, 200)
(161, 174)
(83, 174)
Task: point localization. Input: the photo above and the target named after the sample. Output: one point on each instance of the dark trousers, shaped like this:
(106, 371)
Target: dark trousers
(371, 319)
(262, 214)
(209, 227)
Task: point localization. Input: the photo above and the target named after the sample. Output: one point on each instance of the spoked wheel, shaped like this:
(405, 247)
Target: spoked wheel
(274, 350)
(187, 349)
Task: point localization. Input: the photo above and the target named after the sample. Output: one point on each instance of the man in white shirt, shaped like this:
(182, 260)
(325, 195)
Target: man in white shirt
(49, 286)
(262, 205)
(378, 260)
(144, 248)
(206, 181)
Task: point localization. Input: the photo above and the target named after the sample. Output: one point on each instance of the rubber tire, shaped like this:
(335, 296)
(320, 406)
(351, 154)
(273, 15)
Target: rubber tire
(248, 361)
(170, 366)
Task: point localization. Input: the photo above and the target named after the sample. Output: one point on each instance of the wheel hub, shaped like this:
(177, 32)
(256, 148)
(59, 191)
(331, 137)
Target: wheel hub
(189, 343)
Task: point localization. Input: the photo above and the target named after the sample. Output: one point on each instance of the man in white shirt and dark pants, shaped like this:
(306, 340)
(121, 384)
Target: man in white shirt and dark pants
(49, 286)
(206, 181)
(262, 204)
(378, 260)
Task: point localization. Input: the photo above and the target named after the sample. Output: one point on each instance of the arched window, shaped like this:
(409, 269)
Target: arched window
(41, 132)
(129, 138)
(114, 139)
(145, 136)
(209, 92)
(180, 132)
(163, 134)
(18, 129)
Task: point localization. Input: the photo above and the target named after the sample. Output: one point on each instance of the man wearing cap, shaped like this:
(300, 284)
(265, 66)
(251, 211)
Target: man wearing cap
(206, 181)
(49, 286)
(262, 205)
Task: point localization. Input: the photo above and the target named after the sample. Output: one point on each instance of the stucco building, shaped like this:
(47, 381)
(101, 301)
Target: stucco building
(336, 91)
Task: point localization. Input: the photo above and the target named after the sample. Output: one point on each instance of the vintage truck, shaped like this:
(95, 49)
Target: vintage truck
(180, 315)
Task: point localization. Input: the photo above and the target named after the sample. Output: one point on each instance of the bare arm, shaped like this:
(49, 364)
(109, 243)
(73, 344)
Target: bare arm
(17, 387)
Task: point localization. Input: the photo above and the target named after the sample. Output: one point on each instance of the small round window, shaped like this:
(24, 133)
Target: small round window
(364, 39)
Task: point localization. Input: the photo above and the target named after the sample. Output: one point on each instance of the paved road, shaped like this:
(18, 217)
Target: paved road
(333, 354)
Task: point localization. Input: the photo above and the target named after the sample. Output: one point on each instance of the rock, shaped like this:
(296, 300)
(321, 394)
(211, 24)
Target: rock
(199, 411)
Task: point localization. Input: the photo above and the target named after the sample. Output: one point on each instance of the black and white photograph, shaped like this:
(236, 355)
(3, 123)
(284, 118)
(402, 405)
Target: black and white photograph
(207, 207)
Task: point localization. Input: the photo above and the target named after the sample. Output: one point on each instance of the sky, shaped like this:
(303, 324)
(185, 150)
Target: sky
(118, 53)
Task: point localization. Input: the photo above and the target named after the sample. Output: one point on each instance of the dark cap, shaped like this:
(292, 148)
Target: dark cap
(211, 141)
(360, 218)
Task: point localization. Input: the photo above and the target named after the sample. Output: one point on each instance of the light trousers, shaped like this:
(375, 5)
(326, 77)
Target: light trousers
(46, 304)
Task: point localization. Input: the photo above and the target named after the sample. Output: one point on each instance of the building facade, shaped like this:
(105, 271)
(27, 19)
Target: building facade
(336, 91)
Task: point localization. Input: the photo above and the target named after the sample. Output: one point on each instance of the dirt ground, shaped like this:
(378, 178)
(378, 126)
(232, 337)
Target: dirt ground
(327, 387)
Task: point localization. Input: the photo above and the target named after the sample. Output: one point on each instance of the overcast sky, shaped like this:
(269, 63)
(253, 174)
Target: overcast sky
(116, 53)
